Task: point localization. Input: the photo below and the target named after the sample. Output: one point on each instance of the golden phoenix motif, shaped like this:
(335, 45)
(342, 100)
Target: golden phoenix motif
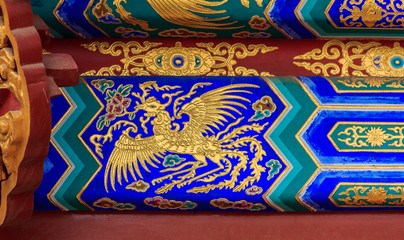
(209, 110)
(184, 13)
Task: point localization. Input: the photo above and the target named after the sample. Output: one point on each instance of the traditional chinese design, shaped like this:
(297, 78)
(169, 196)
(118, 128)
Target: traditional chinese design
(103, 13)
(354, 58)
(185, 33)
(14, 123)
(254, 190)
(131, 154)
(374, 136)
(161, 203)
(107, 203)
(127, 17)
(178, 61)
(11, 135)
(130, 32)
(376, 83)
(368, 195)
(263, 108)
(224, 203)
(259, 23)
(385, 61)
(184, 13)
(247, 34)
(117, 105)
(172, 160)
(138, 186)
(372, 13)
(23, 93)
(207, 59)
(102, 84)
(274, 168)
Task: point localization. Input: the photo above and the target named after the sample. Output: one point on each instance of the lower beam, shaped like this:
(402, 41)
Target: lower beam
(178, 226)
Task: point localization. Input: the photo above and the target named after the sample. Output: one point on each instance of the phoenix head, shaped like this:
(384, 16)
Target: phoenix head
(152, 106)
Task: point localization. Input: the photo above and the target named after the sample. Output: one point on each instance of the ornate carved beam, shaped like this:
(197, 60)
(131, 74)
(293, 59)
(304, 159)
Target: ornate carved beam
(25, 119)
(260, 143)
(25, 112)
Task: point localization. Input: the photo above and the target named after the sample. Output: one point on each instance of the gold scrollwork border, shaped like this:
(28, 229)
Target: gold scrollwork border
(359, 200)
(368, 84)
(376, 137)
(140, 59)
(327, 14)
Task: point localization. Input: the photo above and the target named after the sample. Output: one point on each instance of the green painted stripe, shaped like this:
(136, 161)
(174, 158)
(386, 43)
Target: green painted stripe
(283, 137)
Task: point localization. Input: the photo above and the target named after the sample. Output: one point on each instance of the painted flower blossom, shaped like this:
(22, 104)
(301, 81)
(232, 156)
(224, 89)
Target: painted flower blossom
(376, 136)
(116, 106)
(375, 81)
(117, 103)
(377, 195)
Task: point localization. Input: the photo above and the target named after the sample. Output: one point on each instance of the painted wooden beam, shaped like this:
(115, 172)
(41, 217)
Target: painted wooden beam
(182, 226)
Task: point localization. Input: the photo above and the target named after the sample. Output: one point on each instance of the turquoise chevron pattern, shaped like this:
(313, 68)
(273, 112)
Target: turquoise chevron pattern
(327, 147)
(300, 107)
(81, 165)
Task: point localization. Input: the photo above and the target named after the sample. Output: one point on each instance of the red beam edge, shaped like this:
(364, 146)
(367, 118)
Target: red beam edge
(157, 225)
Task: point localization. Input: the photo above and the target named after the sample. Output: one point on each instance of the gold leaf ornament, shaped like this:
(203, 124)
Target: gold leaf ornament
(205, 59)
(178, 61)
(354, 59)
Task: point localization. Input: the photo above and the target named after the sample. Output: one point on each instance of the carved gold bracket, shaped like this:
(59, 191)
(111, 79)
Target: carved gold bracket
(25, 119)
(14, 113)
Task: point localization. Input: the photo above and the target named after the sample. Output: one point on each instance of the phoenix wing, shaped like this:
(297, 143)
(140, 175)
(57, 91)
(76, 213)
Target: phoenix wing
(182, 12)
(127, 155)
(210, 108)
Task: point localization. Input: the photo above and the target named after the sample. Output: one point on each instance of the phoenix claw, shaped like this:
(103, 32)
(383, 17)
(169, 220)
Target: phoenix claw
(167, 187)
(159, 180)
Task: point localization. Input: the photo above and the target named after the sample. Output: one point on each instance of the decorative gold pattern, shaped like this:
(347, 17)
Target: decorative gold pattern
(372, 13)
(185, 33)
(127, 17)
(15, 106)
(161, 203)
(369, 195)
(259, 23)
(12, 127)
(224, 203)
(204, 112)
(207, 59)
(108, 203)
(355, 58)
(373, 82)
(102, 10)
(358, 137)
(178, 61)
(184, 13)
(246, 3)
(138, 186)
